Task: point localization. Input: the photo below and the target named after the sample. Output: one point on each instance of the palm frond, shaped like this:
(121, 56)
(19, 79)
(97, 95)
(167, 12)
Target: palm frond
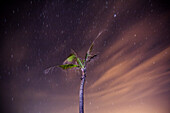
(70, 59)
(68, 66)
(50, 69)
(91, 46)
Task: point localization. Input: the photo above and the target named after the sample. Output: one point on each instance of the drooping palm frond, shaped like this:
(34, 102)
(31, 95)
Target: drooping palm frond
(50, 69)
(65, 66)
(70, 59)
(68, 66)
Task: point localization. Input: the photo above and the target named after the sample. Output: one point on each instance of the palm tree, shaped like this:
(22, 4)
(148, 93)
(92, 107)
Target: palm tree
(73, 61)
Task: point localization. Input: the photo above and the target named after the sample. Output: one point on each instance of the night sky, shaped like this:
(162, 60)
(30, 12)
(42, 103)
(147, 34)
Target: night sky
(131, 73)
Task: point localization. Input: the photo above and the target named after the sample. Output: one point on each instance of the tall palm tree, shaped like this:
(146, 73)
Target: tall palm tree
(73, 61)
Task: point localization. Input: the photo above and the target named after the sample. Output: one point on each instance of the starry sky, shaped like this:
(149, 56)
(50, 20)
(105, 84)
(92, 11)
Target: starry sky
(131, 73)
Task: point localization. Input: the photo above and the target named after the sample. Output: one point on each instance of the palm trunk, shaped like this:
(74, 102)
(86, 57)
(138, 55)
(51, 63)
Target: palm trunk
(81, 93)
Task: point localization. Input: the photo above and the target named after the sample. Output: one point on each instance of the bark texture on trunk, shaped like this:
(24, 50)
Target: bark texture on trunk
(81, 93)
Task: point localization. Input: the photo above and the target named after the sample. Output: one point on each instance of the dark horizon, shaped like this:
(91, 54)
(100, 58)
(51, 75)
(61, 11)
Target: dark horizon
(130, 74)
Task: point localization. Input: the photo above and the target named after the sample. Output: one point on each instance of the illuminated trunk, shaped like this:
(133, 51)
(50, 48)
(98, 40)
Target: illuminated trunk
(81, 93)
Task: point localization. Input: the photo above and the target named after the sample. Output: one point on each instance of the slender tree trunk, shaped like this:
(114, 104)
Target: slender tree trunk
(81, 93)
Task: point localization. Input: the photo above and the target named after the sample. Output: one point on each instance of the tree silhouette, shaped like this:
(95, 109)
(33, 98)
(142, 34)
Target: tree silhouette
(73, 61)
